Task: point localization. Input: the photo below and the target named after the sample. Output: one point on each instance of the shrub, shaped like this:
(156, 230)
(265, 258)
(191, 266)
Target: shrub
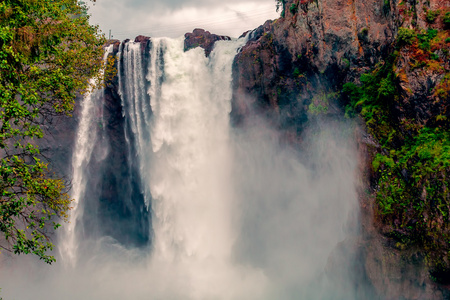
(446, 19)
(432, 15)
(425, 38)
(293, 9)
(405, 36)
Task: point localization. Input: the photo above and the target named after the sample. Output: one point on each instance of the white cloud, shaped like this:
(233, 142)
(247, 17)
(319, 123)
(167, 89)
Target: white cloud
(127, 19)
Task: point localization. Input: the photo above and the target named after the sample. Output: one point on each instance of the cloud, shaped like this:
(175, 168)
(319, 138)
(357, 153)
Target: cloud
(173, 18)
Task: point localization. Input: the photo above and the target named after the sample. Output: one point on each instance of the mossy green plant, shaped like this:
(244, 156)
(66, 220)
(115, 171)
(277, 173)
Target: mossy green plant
(431, 15)
(446, 19)
(405, 36)
(412, 166)
(293, 8)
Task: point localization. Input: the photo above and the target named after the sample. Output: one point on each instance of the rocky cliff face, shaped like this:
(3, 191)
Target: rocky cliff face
(295, 68)
(316, 47)
(319, 45)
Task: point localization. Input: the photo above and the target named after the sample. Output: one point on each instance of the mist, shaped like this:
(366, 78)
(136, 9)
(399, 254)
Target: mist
(236, 213)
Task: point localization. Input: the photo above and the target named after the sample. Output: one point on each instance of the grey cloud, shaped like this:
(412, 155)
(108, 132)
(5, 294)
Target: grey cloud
(172, 18)
(175, 4)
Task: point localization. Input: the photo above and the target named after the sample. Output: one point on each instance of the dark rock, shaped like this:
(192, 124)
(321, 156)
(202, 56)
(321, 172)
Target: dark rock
(115, 43)
(203, 39)
(141, 39)
(144, 41)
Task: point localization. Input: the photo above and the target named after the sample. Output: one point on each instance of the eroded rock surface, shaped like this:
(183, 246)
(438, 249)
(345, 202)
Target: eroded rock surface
(204, 39)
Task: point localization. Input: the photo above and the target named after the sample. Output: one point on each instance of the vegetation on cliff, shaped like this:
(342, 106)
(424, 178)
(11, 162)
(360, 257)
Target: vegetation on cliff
(391, 59)
(412, 167)
(48, 53)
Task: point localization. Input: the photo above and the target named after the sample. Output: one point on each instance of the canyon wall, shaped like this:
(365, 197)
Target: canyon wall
(294, 70)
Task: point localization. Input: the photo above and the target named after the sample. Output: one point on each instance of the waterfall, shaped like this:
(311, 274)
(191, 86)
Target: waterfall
(235, 213)
(85, 142)
(190, 140)
(136, 108)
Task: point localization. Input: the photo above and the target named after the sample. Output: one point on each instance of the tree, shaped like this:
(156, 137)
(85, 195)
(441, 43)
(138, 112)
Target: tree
(48, 53)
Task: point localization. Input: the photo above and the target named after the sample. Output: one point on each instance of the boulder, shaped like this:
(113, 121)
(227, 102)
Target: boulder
(203, 39)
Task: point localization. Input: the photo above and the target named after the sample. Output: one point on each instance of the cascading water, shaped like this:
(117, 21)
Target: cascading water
(190, 173)
(234, 214)
(136, 108)
(84, 145)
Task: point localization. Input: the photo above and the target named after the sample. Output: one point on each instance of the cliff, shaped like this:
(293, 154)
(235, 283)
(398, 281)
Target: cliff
(386, 64)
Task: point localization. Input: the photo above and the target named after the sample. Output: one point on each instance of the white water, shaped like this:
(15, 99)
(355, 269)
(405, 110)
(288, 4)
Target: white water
(136, 109)
(91, 111)
(235, 215)
(190, 138)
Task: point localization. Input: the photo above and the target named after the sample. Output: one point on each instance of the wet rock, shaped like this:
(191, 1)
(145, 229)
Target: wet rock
(144, 41)
(203, 39)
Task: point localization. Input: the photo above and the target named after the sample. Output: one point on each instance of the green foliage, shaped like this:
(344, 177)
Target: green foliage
(412, 167)
(409, 176)
(434, 56)
(346, 62)
(432, 15)
(321, 102)
(318, 109)
(293, 8)
(48, 52)
(425, 39)
(363, 34)
(414, 195)
(446, 19)
(405, 36)
(372, 99)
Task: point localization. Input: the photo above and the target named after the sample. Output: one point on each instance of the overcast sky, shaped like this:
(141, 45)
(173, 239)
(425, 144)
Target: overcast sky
(173, 18)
